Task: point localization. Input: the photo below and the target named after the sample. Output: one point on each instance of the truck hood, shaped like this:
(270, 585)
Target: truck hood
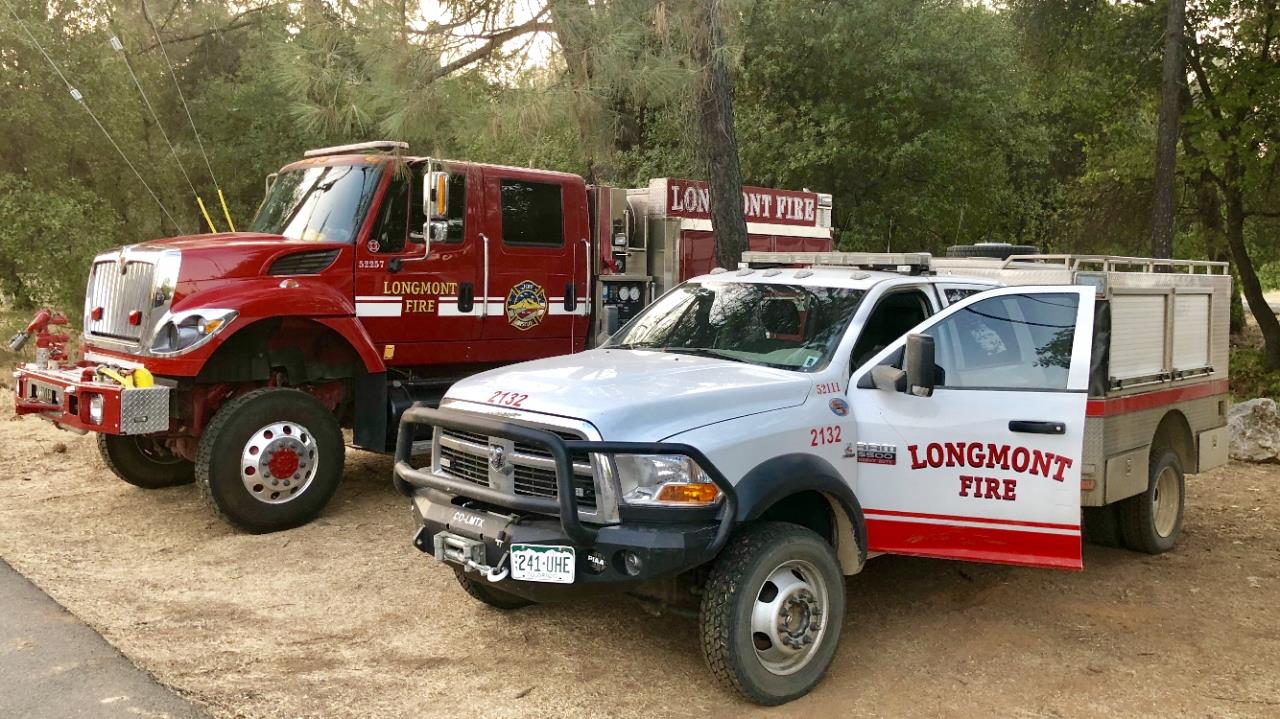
(638, 395)
(230, 255)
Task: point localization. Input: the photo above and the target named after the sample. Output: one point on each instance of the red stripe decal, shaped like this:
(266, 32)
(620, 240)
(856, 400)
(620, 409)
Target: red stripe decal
(1149, 400)
(958, 518)
(975, 544)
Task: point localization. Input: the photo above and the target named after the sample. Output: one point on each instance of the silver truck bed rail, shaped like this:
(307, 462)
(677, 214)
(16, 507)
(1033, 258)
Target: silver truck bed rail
(1114, 263)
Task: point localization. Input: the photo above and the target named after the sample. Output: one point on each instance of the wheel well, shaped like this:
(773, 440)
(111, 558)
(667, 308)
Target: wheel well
(306, 352)
(823, 514)
(1174, 432)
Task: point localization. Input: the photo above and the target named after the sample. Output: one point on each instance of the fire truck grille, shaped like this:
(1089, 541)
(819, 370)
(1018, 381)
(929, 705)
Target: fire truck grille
(119, 293)
(465, 455)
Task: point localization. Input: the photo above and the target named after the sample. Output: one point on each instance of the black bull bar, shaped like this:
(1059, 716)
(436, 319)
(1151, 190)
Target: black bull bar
(566, 503)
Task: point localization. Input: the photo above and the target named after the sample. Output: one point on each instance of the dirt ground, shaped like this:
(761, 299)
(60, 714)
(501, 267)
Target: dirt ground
(343, 618)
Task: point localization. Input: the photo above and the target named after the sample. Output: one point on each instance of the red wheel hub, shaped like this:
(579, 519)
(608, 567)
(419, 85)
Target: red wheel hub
(284, 463)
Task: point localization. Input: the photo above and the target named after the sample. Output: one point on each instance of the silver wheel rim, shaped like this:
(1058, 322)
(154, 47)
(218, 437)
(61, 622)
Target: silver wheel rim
(788, 617)
(1164, 502)
(279, 462)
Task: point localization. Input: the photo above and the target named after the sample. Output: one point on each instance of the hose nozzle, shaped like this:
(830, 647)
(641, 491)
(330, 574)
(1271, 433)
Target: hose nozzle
(18, 341)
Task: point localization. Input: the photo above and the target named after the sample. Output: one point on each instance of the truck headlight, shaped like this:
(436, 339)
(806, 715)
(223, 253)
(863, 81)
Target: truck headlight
(664, 480)
(187, 330)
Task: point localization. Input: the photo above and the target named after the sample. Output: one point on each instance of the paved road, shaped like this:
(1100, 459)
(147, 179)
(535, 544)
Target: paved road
(53, 666)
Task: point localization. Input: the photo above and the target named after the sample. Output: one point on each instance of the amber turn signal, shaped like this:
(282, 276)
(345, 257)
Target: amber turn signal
(699, 493)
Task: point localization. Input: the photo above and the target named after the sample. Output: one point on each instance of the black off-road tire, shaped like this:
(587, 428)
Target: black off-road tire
(142, 462)
(996, 250)
(483, 590)
(1139, 516)
(733, 585)
(218, 459)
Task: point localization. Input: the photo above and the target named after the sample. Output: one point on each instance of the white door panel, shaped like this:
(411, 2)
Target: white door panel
(988, 468)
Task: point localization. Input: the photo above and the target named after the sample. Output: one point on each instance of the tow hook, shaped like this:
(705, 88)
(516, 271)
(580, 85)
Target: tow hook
(467, 552)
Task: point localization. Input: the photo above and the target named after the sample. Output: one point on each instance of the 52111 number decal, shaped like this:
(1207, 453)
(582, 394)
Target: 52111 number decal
(819, 436)
(508, 399)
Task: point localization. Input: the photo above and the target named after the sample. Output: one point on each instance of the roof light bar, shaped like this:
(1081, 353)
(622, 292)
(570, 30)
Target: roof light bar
(359, 148)
(912, 263)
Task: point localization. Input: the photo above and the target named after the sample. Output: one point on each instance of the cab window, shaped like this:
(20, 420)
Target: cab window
(532, 214)
(892, 316)
(1010, 342)
(393, 219)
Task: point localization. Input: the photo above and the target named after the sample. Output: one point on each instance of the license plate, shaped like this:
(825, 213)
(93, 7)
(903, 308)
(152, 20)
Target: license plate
(542, 563)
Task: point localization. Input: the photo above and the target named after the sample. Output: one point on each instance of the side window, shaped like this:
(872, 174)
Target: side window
(393, 218)
(955, 294)
(457, 210)
(892, 316)
(1010, 342)
(532, 214)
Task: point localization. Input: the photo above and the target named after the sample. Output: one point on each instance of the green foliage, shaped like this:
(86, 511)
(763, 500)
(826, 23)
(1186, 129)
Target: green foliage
(36, 264)
(914, 115)
(1249, 377)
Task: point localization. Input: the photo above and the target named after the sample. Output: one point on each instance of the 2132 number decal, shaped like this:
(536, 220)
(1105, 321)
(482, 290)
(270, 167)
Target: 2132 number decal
(507, 399)
(819, 436)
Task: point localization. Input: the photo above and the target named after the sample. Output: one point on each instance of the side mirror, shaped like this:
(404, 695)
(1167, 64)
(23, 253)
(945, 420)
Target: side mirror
(919, 364)
(889, 378)
(435, 196)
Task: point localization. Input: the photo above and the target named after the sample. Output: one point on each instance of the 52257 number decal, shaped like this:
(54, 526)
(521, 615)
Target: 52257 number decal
(819, 436)
(507, 399)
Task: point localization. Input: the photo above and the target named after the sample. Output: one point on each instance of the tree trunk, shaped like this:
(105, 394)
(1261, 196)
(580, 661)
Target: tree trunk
(1209, 209)
(571, 20)
(1174, 77)
(719, 141)
(1268, 324)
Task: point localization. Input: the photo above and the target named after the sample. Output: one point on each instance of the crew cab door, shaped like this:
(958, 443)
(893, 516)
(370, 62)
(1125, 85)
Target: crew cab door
(988, 467)
(415, 299)
(537, 283)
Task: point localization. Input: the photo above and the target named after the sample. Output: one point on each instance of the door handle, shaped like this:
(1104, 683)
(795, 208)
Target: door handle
(1036, 427)
(466, 297)
(484, 301)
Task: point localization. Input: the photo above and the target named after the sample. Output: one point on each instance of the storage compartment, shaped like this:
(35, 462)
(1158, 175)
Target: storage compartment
(1190, 331)
(1127, 474)
(1137, 335)
(1214, 447)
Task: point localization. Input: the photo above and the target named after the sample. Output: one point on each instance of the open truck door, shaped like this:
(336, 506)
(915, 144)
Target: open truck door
(971, 430)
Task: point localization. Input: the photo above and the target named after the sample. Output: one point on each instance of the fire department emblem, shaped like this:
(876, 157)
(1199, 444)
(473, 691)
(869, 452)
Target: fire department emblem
(526, 305)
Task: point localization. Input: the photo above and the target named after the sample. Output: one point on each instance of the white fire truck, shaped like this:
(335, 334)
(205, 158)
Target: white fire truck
(755, 435)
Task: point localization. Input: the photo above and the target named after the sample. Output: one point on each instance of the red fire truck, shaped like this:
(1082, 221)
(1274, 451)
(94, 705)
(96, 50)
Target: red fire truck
(369, 280)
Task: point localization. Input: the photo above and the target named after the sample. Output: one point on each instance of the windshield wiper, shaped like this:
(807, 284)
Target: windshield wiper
(632, 346)
(722, 354)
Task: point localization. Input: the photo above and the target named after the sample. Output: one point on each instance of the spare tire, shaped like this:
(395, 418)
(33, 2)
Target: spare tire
(998, 250)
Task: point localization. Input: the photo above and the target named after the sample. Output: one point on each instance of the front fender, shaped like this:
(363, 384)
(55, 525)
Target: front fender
(263, 298)
(780, 477)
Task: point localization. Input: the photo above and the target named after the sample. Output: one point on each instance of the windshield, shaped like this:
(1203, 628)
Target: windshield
(318, 204)
(790, 327)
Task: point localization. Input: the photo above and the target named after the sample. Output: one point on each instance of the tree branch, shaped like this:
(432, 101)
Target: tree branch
(239, 21)
(493, 42)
